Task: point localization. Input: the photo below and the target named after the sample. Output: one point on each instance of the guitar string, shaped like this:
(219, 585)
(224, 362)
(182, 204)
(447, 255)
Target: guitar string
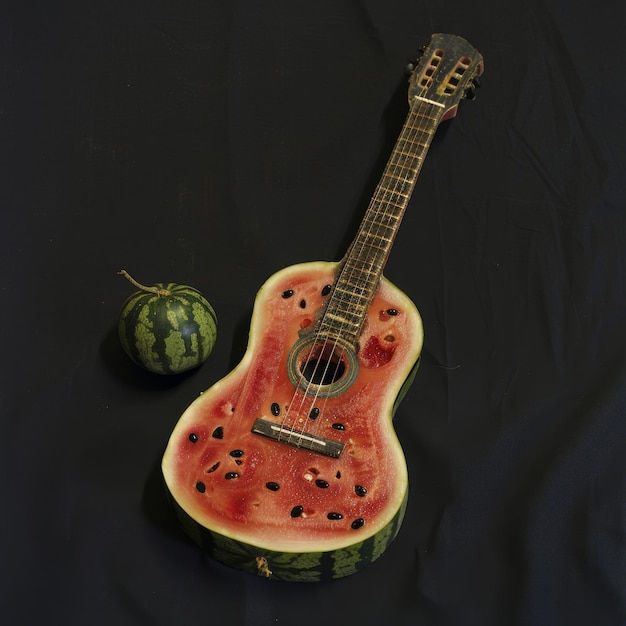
(380, 217)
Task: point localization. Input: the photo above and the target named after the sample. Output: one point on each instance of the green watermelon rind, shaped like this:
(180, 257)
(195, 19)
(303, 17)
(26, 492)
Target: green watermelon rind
(156, 326)
(311, 566)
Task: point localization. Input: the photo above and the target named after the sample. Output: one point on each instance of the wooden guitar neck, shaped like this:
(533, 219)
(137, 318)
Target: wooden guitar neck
(363, 263)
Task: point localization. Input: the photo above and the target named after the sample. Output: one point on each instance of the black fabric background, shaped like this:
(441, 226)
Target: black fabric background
(213, 143)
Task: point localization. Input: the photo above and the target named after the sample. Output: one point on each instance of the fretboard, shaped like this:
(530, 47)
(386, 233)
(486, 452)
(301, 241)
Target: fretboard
(363, 263)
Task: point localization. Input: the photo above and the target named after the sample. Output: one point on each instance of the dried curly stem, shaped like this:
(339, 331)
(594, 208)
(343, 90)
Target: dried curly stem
(155, 290)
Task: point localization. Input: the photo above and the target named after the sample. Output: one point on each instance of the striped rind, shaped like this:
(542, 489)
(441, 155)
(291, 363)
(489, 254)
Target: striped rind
(311, 566)
(168, 334)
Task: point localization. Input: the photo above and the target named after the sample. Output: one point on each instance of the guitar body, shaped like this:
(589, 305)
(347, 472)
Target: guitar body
(290, 467)
(271, 506)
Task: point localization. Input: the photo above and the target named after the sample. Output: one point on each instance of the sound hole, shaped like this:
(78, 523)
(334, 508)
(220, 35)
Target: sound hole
(324, 368)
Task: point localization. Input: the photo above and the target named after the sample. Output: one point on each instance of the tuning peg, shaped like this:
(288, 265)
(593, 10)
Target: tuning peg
(470, 92)
(408, 70)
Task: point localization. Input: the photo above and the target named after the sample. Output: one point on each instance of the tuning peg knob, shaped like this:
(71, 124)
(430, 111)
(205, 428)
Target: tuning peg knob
(408, 70)
(470, 92)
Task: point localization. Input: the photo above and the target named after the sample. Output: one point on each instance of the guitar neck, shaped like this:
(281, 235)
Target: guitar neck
(363, 263)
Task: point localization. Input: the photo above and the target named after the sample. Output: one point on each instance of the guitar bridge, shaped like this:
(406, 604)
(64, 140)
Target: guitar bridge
(297, 438)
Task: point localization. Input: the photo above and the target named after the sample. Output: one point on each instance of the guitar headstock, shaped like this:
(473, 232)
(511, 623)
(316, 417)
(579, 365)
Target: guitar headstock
(446, 72)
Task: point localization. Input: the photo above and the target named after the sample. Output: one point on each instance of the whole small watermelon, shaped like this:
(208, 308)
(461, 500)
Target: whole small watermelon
(167, 328)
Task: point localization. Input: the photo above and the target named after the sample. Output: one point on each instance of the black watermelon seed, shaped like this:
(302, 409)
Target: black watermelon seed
(358, 523)
(338, 426)
(333, 515)
(287, 294)
(193, 438)
(275, 408)
(326, 290)
(218, 433)
(392, 311)
(213, 468)
(338, 475)
(322, 484)
(360, 490)
(314, 414)
(303, 304)
(236, 453)
(272, 486)
(200, 486)
(238, 462)
(297, 511)
(231, 475)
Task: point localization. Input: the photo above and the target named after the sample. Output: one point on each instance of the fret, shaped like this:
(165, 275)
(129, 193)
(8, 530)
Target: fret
(349, 296)
(383, 207)
(403, 171)
(345, 317)
(359, 279)
(345, 305)
(399, 156)
(358, 286)
(389, 205)
(415, 138)
(370, 247)
(392, 198)
(357, 270)
(394, 178)
(407, 182)
(342, 300)
(381, 217)
(361, 273)
(395, 192)
(370, 238)
(384, 233)
(335, 324)
(354, 311)
(364, 262)
(405, 153)
(420, 127)
(380, 229)
(402, 163)
(350, 315)
(399, 166)
(353, 287)
(396, 187)
(416, 143)
(367, 240)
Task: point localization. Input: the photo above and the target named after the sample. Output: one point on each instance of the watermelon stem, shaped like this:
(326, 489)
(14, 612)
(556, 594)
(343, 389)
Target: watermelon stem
(156, 290)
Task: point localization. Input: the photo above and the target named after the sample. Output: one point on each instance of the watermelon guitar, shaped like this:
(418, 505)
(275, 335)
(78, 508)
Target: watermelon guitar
(289, 467)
